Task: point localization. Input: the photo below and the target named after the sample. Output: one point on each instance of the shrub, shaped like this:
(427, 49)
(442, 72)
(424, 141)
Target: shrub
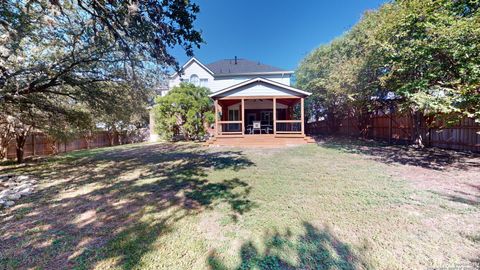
(183, 111)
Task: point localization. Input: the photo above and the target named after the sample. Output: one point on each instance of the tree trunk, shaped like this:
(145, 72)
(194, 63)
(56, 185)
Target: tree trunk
(111, 135)
(120, 141)
(4, 148)
(332, 122)
(87, 137)
(417, 132)
(53, 146)
(363, 120)
(21, 139)
(5, 140)
(3, 153)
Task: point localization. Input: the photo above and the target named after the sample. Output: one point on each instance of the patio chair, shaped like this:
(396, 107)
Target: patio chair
(257, 125)
(268, 129)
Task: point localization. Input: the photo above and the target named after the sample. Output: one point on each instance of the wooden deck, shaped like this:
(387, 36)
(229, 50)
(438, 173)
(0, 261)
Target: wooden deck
(262, 141)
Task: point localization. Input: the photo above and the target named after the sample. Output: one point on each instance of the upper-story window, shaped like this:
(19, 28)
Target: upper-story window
(195, 80)
(203, 82)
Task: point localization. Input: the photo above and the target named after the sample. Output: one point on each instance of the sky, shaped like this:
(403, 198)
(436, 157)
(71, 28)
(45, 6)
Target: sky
(278, 33)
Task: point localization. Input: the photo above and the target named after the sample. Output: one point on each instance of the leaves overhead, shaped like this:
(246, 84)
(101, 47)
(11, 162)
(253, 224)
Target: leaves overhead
(68, 59)
(426, 51)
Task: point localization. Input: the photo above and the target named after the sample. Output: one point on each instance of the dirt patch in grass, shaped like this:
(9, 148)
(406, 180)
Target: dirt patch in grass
(428, 158)
(452, 174)
(446, 184)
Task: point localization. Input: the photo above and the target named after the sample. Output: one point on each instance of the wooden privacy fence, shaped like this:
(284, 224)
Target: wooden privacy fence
(463, 136)
(39, 144)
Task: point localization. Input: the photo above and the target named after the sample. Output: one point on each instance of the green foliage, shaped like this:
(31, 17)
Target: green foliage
(184, 110)
(341, 74)
(432, 51)
(426, 51)
(68, 66)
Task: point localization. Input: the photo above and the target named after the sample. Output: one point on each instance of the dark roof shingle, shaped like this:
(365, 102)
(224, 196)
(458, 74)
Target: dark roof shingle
(228, 66)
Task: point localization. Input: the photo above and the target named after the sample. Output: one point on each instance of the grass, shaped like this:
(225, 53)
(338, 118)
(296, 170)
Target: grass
(337, 205)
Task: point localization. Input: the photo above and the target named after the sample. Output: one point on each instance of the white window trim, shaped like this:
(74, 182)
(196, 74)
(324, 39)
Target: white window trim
(197, 83)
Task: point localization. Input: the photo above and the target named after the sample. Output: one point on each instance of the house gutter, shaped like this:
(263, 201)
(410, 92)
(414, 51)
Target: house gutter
(283, 73)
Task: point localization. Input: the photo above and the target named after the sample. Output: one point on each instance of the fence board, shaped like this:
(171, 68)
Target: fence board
(38, 144)
(463, 136)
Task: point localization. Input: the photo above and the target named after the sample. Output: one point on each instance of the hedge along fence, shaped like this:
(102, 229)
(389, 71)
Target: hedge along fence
(39, 144)
(399, 128)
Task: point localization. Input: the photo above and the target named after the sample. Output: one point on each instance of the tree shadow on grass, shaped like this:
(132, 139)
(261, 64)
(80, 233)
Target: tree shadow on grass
(315, 249)
(431, 158)
(128, 246)
(92, 207)
(471, 198)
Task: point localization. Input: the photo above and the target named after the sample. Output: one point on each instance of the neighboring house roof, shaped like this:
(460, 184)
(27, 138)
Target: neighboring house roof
(239, 66)
(193, 59)
(258, 79)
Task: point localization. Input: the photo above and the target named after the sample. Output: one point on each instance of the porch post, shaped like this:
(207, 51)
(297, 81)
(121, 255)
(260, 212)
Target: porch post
(216, 117)
(274, 116)
(303, 115)
(243, 116)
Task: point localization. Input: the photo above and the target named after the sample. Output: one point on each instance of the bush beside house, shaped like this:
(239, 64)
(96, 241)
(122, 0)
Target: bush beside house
(183, 113)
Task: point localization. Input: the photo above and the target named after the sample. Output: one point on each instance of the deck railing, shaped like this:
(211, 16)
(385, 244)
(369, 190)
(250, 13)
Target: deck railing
(289, 126)
(230, 127)
(226, 128)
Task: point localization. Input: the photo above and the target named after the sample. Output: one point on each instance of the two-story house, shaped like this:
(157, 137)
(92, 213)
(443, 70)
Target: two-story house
(227, 72)
(254, 103)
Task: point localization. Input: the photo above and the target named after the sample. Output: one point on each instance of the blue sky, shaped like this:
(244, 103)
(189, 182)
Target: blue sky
(278, 33)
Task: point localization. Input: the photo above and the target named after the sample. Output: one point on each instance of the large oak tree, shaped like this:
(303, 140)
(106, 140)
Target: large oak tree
(66, 57)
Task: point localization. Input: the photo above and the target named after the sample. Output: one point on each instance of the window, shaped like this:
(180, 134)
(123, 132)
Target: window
(266, 117)
(233, 115)
(195, 80)
(203, 82)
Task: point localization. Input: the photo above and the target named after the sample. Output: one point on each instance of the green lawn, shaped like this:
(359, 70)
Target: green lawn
(338, 205)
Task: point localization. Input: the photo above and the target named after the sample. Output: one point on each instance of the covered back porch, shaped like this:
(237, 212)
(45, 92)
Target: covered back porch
(259, 112)
(255, 115)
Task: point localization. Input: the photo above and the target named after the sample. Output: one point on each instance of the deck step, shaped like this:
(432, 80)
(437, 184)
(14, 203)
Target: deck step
(309, 139)
(289, 136)
(264, 140)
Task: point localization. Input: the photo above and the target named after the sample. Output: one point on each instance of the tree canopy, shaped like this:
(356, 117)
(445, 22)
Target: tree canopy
(76, 59)
(425, 51)
(50, 49)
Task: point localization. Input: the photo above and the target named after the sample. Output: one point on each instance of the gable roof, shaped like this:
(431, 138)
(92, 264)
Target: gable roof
(242, 66)
(258, 79)
(193, 59)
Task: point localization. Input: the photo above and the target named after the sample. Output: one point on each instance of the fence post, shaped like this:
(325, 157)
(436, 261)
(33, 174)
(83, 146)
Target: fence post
(390, 128)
